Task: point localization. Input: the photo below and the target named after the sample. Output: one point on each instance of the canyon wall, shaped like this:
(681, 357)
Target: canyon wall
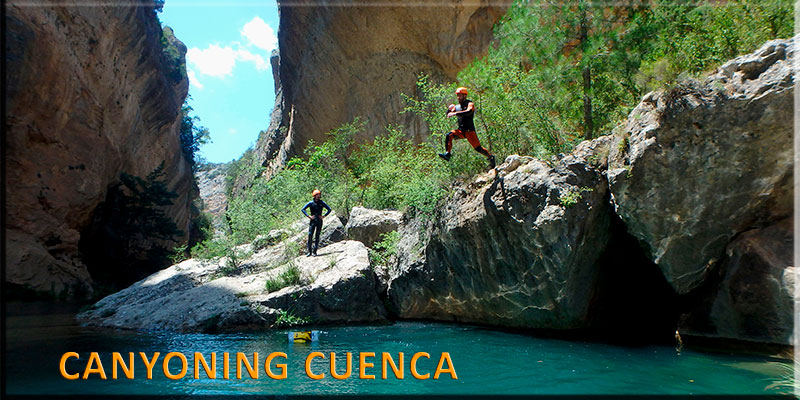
(90, 95)
(342, 61)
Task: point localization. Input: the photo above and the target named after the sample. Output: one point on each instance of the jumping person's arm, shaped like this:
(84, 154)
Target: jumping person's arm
(470, 108)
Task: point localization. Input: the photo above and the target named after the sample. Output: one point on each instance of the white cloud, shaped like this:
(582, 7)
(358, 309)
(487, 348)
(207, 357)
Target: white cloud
(259, 34)
(219, 61)
(193, 79)
(213, 60)
(245, 55)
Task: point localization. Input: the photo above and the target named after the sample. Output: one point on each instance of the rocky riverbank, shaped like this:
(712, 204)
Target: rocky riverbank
(683, 221)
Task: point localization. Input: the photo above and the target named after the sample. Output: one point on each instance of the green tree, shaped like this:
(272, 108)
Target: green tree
(192, 136)
(131, 235)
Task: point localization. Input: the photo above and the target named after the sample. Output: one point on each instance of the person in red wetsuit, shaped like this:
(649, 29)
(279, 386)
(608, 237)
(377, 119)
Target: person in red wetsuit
(465, 111)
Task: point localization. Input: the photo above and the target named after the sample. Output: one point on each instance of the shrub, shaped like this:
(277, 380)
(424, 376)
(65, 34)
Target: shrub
(286, 318)
(385, 248)
(291, 276)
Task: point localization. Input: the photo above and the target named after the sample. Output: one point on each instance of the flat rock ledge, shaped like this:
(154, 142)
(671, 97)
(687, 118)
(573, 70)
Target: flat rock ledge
(337, 286)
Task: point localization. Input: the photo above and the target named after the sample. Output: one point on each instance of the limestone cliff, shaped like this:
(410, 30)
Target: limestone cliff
(90, 95)
(341, 61)
(211, 182)
(697, 222)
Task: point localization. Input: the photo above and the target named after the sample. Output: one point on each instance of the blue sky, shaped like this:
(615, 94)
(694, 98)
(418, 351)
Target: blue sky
(231, 85)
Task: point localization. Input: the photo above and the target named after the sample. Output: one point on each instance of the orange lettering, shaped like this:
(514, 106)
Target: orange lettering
(308, 365)
(63, 365)
(349, 366)
(414, 365)
(281, 366)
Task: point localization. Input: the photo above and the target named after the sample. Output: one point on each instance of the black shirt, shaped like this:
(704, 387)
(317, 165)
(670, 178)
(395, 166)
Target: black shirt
(316, 207)
(465, 122)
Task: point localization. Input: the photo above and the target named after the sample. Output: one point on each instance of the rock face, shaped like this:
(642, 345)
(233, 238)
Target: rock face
(754, 300)
(211, 183)
(194, 296)
(520, 252)
(89, 95)
(702, 180)
(367, 225)
(689, 211)
(705, 162)
(365, 55)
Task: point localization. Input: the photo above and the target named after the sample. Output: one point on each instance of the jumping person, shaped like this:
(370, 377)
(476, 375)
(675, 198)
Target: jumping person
(315, 223)
(464, 110)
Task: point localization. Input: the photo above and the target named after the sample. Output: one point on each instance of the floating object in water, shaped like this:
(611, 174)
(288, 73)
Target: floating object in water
(303, 336)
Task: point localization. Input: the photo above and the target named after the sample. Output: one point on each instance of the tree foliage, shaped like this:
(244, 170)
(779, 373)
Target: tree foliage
(174, 59)
(192, 136)
(560, 72)
(557, 73)
(131, 235)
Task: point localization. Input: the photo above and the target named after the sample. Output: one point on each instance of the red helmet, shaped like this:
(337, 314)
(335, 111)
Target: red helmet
(461, 90)
(316, 192)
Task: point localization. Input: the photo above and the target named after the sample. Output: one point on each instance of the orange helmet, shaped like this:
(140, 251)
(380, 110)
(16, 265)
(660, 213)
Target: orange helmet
(316, 192)
(461, 90)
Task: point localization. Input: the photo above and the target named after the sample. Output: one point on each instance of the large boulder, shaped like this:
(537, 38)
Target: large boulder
(756, 296)
(337, 286)
(704, 162)
(516, 250)
(367, 225)
(342, 289)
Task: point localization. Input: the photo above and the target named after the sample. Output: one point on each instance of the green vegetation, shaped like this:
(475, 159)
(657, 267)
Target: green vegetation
(178, 254)
(244, 169)
(571, 197)
(175, 60)
(287, 319)
(348, 175)
(192, 136)
(565, 71)
(384, 249)
(558, 73)
(291, 276)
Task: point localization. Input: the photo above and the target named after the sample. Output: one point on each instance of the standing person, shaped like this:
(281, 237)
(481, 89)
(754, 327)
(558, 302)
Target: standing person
(464, 110)
(315, 223)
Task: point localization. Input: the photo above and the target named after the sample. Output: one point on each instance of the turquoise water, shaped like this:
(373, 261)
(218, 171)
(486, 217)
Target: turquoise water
(485, 361)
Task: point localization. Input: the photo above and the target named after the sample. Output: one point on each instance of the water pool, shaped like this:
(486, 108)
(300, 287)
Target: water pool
(485, 361)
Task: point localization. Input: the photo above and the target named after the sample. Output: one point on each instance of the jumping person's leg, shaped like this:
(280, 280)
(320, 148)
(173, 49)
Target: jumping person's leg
(448, 142)
(472, 137)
